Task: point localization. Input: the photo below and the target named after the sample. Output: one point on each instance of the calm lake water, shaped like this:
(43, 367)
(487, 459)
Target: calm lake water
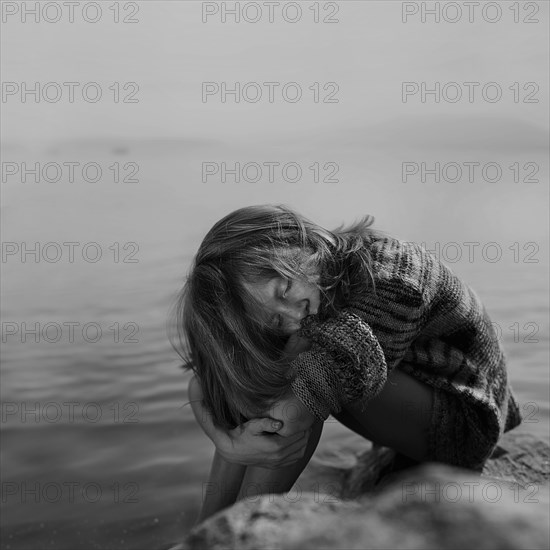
(100, 448)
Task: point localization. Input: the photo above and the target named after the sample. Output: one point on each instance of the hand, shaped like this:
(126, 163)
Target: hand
(293, 414)
(257, 443)
(254, 443)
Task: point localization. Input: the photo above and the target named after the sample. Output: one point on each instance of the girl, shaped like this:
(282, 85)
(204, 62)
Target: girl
(283, 323)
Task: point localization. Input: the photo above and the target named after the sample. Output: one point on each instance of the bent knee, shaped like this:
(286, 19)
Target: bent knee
(399, 417)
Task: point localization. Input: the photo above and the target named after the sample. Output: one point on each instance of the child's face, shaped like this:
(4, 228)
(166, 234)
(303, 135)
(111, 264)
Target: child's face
(284, 302)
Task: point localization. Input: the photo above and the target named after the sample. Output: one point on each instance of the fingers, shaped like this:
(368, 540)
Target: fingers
(270, 449)
(280, 457)
(259, 425)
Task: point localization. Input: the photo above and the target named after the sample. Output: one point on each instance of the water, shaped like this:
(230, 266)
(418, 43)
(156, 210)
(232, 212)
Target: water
(111, 457)
(129, 441)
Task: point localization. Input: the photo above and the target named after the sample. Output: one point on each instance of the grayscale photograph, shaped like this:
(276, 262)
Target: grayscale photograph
(275, 274)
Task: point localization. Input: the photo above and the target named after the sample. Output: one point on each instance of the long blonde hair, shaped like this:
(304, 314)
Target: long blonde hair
(236, 359)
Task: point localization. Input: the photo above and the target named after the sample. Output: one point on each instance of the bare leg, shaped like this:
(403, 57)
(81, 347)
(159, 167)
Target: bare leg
(261, 481)
(398, 417)
(222, 487)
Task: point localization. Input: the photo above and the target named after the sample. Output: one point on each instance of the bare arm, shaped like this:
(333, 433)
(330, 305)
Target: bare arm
(248, 445)
(275, 460)
(262, 481)
(225, 478)
(295, 417)
(293, 414)
(253, 443)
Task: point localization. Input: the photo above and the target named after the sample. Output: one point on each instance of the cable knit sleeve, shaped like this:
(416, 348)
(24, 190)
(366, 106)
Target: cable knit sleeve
(345, 363)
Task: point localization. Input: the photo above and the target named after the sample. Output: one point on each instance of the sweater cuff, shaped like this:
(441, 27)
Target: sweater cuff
(345, 363)
(316, 383)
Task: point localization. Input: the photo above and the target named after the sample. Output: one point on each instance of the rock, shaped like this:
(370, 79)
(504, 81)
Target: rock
(519, 458)
(381, 506)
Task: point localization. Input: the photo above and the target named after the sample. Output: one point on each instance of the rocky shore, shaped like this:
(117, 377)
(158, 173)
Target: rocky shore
(381, 502)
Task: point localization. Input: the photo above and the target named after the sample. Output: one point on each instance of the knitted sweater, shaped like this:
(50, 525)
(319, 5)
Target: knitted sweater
(423, 318)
